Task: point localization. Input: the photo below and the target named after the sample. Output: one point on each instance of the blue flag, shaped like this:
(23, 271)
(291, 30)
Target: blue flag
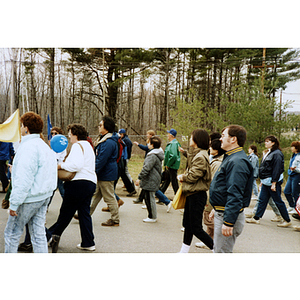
(49, 127)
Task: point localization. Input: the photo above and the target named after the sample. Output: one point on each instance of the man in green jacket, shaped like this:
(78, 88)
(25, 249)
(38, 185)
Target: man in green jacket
(171, 161)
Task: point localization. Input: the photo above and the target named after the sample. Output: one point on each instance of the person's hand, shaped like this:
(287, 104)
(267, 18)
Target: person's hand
(211, 215)
(273, 187)
(180, 177)
(137, 183)
(292, 169)
(58, 167)
(136, 143)
(10, 167)
(13, 213)
(180, 149)
(226, 230)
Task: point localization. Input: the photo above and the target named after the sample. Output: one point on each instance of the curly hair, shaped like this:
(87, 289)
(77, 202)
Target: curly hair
(58, 129)
(296, 144)
(33, 121)
(79, 131)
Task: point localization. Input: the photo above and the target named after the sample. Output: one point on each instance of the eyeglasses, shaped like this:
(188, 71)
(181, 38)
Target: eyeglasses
(54, 133)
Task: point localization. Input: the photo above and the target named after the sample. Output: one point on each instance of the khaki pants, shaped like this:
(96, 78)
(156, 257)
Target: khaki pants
(106, 190)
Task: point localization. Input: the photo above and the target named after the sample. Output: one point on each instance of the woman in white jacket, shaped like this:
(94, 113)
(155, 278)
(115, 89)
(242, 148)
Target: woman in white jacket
(34, 178)
(78, 191)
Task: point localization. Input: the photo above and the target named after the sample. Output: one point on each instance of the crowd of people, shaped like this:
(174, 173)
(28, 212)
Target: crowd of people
(218, 183)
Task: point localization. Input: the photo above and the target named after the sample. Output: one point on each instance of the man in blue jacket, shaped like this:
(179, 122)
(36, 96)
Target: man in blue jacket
(6, 153)
(230, 190)
(106, 151)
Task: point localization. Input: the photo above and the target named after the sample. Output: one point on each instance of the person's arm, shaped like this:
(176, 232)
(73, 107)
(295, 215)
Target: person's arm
(197, 170)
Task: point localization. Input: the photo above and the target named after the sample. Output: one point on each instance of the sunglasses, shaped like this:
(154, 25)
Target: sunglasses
(54, 133)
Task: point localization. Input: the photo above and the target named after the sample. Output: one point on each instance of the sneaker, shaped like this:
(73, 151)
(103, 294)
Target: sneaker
(25, 248)
(169, 207)
(277, 219)
(297, 228)
(201, 245)
(284, 224)
(182, 229)
(290, 209)
(253, 221)
(110, 222)
(296, 216)
(293, 211)
(137, 201)
(144, 206)
(131, 194)
(120, 202)
(249, 215)
(76, 217)
(148, 220)
(92, 248)
(105, 209)
(254, 198)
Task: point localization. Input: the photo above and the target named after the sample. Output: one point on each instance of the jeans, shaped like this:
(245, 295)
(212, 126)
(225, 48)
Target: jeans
(225, 244)
(162, 197)
(192, 219)
(292, 189)
(33, 214)
(264, 196)
(255, 189)
(171, 178)
(271, 203)
(78, 195)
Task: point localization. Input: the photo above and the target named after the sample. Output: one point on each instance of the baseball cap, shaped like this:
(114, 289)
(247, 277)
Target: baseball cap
(172, 131)
(122, 130)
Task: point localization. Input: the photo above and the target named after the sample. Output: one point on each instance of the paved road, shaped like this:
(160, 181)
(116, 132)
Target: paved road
(165, 236)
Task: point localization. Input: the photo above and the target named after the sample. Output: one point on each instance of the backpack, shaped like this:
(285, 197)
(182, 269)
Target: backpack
(121, 146)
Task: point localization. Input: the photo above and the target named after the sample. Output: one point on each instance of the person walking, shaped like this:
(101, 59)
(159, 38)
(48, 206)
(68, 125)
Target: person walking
(171, 162)
(230, 190)
(253, 157)
(6, 154)
(150, 177)
(292, 188)
(78, 191)
(34, 178)
(195, 183)
(106, 150)
(271, 175)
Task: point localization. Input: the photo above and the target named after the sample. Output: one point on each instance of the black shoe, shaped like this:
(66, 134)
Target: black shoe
(54, 243)
(131, 194)
(25, 248)
(296, 216)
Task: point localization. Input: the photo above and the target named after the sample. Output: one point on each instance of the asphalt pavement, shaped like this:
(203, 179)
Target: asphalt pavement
(164, 236)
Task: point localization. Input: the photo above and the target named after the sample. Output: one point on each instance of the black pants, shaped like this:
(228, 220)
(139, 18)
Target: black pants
(121, 173)
(3, 176)
(192, 219)
(171, 177)
(78, 195)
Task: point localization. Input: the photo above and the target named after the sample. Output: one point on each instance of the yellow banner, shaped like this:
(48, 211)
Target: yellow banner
(10, 130)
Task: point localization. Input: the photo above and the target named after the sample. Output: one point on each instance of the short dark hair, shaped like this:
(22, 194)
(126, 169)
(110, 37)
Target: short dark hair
(58, 129)
(296, 144)
(274, 140)
(215, 135)
(33, 121)
(109, 124)
(201, 138)
(239, 132)
(216, 145)
(155, 141)
(254, 148)
(78, 130)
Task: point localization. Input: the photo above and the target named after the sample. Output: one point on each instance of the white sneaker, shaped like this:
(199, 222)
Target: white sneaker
(252, 220)
(169, 206)
(92, 248)
(249, 215)
(182, 229)
(284, 224)
(290, 209)
(277, 219)
(148, 220)
(254, 198)
(144, 206)
(201, 245)
(293, 211)
(297, 228)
